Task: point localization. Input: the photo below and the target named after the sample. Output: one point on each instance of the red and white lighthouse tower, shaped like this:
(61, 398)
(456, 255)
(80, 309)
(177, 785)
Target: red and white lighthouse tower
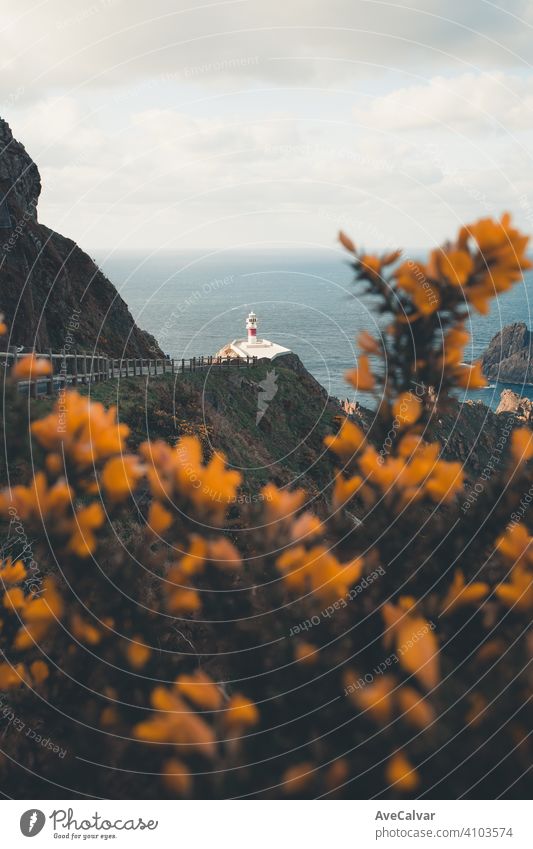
(252, 347)
(251, 327)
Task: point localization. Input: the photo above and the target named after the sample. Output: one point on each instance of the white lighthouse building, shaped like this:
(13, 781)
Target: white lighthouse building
(252, 346)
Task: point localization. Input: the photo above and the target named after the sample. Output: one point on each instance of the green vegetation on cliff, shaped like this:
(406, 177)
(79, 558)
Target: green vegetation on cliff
(221, 407)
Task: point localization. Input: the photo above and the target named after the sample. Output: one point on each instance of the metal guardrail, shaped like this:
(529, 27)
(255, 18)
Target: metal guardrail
(84, 368)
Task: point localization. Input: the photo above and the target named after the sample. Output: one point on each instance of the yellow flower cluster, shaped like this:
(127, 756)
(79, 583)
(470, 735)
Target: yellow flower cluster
(179, 472)
(82, 430)
(177, 723)
(53, 505)
(467, 377)
(383, 698)
(31, 367)
(461, 594)
(282, 518)
(486, 258)
(219, 552)
(401, 774)
(35, 613)
(14, 676)
(317, 570)
(417, 469)
(516, 548)
(499, 262)
(414, 639)
(38, 499)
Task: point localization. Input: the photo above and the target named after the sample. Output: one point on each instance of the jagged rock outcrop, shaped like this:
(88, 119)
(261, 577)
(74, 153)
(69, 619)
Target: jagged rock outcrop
(510, 402)
(508, 355)
(51, 292)
(351, 408)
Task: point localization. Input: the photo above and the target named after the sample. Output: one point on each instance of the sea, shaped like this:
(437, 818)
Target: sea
(195, 302)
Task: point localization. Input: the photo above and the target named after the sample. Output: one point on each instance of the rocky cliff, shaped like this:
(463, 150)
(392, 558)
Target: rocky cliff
(521, 408)
(50, 289)
(508, 355)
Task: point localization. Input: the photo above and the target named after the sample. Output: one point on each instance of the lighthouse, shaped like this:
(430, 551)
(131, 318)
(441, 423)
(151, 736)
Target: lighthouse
(251, 327)
(252, 346)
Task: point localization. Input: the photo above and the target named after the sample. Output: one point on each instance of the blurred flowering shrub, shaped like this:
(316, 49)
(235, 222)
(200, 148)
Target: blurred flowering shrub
(378, 649)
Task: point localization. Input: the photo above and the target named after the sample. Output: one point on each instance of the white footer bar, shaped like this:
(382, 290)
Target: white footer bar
(267, 824)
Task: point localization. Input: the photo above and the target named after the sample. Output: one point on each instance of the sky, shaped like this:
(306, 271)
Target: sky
(162, 125)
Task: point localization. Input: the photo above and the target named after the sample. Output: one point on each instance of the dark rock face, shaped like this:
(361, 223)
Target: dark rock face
(508, 356)
(51, 293)
(19, 176)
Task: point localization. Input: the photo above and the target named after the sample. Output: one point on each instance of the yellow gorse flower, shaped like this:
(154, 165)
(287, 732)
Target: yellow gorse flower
(180, 472)
(39, 614)
(31, 367)
(84, 430)
(317, 570)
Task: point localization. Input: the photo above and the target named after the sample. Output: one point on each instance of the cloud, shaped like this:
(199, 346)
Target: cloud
(168, 178)
(165, 123)
(165, 156)
(474, 102)
(79, 43)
